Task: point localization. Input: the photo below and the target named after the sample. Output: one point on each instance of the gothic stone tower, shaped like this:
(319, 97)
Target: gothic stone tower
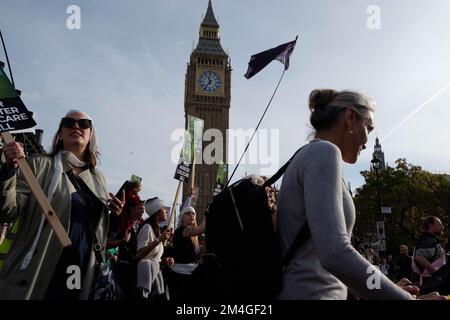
(379, 154)
(207, 96)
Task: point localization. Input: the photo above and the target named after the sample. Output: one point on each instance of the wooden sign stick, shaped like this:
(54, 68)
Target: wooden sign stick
(192, 182)
(172, 210)
(40, 196)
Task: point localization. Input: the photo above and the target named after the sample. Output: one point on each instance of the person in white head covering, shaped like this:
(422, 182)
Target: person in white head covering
(186, 253)
(150, 248)
(36, 267)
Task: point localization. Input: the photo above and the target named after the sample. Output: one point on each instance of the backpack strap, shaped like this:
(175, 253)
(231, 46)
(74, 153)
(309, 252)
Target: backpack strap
(96, 245)
(280, 171)
(299, 240)
(304, 232)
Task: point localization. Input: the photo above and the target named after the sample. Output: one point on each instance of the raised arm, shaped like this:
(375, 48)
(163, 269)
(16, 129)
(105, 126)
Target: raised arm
(192, 231)
(187, 202)
(146, 244)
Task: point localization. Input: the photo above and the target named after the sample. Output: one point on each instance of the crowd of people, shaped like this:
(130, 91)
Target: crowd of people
(418, 265)
(153, 263)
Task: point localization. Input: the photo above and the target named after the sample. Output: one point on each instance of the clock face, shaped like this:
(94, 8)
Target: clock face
(209, 81)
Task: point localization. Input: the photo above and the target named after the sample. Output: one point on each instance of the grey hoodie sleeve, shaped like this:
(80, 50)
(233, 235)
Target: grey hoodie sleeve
(324, 205)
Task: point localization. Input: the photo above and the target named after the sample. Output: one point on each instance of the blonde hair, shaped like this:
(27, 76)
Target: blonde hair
(194, 239)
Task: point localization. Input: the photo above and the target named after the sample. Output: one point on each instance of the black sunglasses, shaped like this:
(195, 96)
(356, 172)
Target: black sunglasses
(82, 123)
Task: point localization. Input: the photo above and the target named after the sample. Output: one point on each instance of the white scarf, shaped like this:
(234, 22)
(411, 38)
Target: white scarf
(54, 182)
(73, 160)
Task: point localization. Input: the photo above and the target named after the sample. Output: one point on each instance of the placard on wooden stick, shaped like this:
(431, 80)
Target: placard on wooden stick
(15, 116)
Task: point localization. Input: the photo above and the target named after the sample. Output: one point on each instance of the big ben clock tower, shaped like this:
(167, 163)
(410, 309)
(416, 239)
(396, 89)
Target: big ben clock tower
(207, 96)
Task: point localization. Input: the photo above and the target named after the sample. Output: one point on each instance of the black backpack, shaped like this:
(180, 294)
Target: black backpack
(243, 259)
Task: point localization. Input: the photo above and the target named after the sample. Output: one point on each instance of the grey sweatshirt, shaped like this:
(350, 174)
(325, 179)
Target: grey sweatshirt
(313, 189)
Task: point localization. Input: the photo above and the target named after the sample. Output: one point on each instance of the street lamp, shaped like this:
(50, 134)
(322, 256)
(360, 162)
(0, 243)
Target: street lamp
(376, 165)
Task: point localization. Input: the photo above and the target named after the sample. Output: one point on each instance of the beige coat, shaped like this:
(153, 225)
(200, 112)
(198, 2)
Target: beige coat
(16, 200)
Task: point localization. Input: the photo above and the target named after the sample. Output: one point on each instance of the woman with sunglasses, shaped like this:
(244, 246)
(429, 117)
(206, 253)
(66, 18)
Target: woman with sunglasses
(37, 266)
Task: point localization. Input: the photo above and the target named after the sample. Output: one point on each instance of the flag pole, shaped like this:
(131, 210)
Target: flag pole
(7, 60)
(257, 126)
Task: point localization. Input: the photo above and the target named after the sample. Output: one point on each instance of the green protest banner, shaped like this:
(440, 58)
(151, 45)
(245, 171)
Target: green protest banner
(192, 146)
(195, 126)
(222, 174)
(186, 167)
(135, 178)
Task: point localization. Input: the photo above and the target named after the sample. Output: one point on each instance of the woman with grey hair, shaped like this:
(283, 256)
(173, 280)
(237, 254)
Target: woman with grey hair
(37, 267)
(313, 192)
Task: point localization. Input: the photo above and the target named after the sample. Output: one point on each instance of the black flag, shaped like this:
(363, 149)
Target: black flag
(260, 60)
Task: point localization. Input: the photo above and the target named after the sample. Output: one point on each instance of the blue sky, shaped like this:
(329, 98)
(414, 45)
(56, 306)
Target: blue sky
(126, 67)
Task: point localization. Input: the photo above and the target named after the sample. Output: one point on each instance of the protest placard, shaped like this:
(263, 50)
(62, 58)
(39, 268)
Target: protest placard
(15, 116)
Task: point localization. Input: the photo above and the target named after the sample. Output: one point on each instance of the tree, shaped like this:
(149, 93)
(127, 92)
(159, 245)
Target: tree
(413, 194)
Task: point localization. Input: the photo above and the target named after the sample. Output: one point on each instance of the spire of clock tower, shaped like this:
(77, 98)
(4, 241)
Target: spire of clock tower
(209, 36)
(210, 19)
